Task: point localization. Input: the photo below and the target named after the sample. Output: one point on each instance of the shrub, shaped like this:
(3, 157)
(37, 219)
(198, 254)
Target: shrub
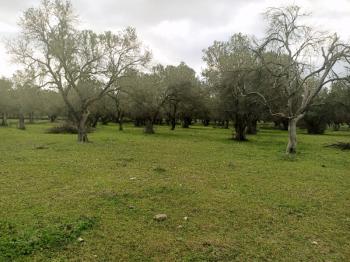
(65, 128)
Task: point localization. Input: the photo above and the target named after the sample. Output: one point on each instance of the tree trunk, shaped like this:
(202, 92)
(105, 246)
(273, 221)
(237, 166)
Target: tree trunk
(186, 122)
(240, 129)
(82, 131)
(31, 117)
(336, 126)
(95, 119)
(252, 127)
(226, 124)
(139, 122)
(105, 120)
(292, 136)
(206, 122)
(21, 124)
(149, 127)
(4, 119)
(173, 123)
(52, 118)
(285, 124)
(120, 122)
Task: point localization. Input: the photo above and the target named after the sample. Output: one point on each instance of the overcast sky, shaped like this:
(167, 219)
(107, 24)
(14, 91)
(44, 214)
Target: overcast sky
(178, 30)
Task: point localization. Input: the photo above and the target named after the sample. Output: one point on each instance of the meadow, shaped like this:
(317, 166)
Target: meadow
(225, 200)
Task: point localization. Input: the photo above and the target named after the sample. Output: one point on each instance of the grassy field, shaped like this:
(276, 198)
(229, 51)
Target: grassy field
(63, 201)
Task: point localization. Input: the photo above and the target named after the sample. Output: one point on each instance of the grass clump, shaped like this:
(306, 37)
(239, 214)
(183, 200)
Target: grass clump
(15, 243)
(65, 128)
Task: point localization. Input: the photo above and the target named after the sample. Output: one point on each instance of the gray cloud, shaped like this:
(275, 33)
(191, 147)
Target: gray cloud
(179, 30)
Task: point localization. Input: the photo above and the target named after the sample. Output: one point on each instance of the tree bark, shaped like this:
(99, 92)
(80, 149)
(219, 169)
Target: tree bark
(120, 117)
(120, 122)
(292, 136)
(4, 119)
(240, 129)
(149, 127)
(52, 118)
(173, 123)
(285, 124)
(82, 131)
(21, 124)
(252, 127)
(95, 119)
(186, 122)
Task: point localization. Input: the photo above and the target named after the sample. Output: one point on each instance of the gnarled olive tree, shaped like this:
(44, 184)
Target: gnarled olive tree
(303, 63)
(66, 59)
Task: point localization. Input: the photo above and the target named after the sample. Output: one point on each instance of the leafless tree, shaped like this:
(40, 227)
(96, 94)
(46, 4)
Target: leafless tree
(306, 62)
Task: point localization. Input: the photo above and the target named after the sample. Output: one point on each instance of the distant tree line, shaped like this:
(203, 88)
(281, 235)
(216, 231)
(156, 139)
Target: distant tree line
(287, 78)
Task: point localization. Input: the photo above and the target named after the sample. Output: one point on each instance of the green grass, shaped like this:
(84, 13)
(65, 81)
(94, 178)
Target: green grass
(244, 201)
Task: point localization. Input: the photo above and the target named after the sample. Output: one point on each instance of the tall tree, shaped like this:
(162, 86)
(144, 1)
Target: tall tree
(338, 104)
(65, 58)
(300, 69)
(5, 99)
(231, 71)
(148, 93)
(183, 93)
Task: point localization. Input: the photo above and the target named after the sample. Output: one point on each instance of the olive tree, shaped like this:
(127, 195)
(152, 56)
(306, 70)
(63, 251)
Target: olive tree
(5, 99)
(65, 58)
(148, 93)
(231, 73)
(305, 65)
(183, 94)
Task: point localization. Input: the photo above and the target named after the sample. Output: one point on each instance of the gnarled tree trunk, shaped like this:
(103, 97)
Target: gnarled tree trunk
(252, 127)
(120, 118)
(173, 123)
(240, 128)
(82, 129)
(52, 118)
(292, 136)
(149, 127)
(21, 124)
(186, 122)
(120, 122)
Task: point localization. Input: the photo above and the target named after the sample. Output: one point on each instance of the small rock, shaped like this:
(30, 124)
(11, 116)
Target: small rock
(131, 207)
(185, 218)
(132, 178)
(179, 226)
(314, 243)
(160, 217)
(80, 239)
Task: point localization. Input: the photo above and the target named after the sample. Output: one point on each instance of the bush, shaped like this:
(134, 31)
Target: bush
(341, 145)
(66, 128)
(315, 121)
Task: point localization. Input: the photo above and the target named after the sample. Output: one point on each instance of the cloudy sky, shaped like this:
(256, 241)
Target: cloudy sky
(177, 30)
